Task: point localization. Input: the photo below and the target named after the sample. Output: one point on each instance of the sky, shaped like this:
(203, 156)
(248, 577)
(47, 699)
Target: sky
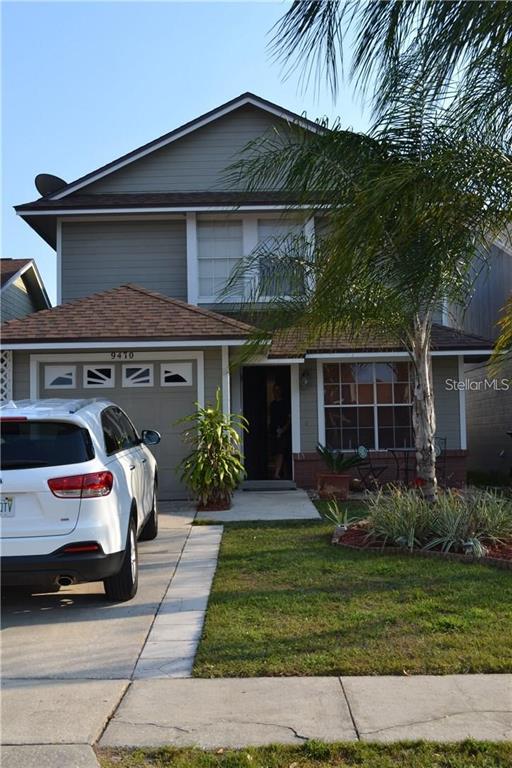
(85, 82)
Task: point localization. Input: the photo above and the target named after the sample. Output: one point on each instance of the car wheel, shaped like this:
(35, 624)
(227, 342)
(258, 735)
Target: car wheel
(150, 529)
(122, 585)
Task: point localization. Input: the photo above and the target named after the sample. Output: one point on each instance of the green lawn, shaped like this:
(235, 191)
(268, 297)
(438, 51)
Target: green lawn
(317, 755)
(287, 602)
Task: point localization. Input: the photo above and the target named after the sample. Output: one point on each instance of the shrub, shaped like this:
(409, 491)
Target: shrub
(399, 517)
(214, 468)
(336, 461)
(457, 522)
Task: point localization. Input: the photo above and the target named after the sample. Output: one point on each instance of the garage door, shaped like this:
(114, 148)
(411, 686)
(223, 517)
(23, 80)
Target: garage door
(154, 394)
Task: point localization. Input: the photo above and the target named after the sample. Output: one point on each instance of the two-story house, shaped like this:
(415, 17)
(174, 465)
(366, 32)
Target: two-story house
(144, 246)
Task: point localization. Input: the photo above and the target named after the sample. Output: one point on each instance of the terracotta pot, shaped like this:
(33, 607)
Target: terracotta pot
(333, 486)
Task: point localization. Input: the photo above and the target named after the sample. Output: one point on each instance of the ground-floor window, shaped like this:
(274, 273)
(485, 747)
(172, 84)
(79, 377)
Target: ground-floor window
(368, 404)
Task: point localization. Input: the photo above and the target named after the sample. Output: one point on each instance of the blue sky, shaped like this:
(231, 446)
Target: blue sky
(83, 83)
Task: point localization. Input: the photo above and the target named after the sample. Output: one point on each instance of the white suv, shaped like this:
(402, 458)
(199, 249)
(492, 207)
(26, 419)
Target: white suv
(78, 488)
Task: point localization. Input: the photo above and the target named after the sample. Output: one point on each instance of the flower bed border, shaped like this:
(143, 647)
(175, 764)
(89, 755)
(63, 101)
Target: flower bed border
(497, 562)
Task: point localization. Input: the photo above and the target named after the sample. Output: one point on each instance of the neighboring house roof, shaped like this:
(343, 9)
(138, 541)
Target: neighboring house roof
(244, 99)
(12, 269)
(444, 339)
(126, 313)
(9, 269)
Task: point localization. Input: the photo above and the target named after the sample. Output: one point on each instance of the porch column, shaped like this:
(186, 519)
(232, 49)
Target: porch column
(295, 406)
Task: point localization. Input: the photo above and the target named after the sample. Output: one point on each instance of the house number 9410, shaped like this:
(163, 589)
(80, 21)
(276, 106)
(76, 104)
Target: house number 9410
(122, 355)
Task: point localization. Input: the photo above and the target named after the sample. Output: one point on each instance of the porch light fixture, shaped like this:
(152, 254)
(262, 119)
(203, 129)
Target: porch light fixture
(304, 379)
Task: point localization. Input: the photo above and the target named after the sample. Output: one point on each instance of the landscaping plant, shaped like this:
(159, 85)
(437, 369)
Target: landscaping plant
(336, 461)
(456, 522)
(215, 467)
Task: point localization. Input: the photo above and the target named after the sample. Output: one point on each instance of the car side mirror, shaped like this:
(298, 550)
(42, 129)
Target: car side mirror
(150, 437)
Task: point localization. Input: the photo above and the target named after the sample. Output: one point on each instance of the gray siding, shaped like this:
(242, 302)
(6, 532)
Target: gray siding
(97, 256)
(197, 162)
(489, 414)
(16, 301)
(212, 374)
(20, 375)
(492, 289)
(308, 408)
(446, 400)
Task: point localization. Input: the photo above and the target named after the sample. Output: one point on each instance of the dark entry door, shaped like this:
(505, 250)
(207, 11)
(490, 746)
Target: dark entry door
(258, 392)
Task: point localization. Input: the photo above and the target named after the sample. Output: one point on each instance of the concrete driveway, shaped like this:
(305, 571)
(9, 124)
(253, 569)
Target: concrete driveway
(67, 657)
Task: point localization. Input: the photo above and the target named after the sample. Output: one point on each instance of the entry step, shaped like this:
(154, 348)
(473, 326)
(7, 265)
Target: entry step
(268, 485)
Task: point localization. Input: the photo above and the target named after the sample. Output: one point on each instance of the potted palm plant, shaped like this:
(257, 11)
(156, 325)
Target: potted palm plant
(335, 483)
(214, 467)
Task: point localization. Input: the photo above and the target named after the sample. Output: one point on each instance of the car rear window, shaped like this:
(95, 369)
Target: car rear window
(26, 444)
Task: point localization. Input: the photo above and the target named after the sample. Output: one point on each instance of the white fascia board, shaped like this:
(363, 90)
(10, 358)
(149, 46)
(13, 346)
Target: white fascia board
(168, 209)
(393, 355)
(123, 344)
(179, 134)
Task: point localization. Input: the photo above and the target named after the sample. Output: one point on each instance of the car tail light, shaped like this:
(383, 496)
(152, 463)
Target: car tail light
(82, 486)
(73, 549)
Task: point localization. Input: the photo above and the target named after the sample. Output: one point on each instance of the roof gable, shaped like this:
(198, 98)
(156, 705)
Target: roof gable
(129, 313)
(13, 269)
(247, 102)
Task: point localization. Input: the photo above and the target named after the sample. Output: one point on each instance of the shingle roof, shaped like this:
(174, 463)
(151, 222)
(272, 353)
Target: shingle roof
(185, 200)
(128, 312)
(288, 344)
(9, 267)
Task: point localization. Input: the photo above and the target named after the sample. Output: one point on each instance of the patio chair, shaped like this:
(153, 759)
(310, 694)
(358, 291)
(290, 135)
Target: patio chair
(368, 473)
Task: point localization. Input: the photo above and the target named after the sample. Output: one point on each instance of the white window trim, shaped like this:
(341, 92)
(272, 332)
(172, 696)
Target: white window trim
(321, 406)
(167, 384)
(71, 368)
(109, 385)
(463, 438)
(249, 243)
(36, 360)
(126, 383)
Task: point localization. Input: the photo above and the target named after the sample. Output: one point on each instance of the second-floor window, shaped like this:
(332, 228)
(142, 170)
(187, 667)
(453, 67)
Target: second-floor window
(219, 248)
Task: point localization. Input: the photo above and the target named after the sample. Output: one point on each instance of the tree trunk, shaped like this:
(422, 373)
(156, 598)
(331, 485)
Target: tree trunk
(423, 413)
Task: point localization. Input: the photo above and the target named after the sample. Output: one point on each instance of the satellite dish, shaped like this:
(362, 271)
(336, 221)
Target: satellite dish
(46, 184)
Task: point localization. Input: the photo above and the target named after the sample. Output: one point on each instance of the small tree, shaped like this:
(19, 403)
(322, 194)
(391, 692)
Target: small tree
(214, 467)
(410, 206)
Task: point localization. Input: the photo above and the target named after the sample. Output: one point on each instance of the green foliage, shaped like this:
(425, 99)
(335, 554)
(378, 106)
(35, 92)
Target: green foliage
(336, 461)
(338, 514)
(214, 468)
(456, 522)
(286, 602)
(316, 754)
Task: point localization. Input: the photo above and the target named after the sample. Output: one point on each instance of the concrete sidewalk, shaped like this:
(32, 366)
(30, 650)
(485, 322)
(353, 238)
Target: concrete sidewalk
(240, 712)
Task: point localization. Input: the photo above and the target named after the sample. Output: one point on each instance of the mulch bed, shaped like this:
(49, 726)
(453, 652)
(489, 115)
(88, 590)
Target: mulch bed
(356, 537)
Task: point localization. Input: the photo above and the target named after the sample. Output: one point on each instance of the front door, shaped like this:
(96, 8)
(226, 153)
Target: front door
(267, 407)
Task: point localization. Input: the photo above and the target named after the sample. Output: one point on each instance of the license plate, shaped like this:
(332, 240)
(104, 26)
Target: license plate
(6, 506)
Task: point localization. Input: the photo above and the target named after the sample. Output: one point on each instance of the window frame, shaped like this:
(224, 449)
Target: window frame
(188, 383)
(59, 366)
(109, 385)
(126, 383)
(375, 404)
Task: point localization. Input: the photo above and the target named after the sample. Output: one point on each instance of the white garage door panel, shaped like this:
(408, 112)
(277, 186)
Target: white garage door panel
(153, 407)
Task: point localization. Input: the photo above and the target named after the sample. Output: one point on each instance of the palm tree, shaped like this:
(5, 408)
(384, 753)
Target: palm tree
(408, 205)
(460, 52)
(462, 49)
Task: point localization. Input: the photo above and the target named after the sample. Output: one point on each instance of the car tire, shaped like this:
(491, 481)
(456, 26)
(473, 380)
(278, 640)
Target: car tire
(122, 586)
(150, 529)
